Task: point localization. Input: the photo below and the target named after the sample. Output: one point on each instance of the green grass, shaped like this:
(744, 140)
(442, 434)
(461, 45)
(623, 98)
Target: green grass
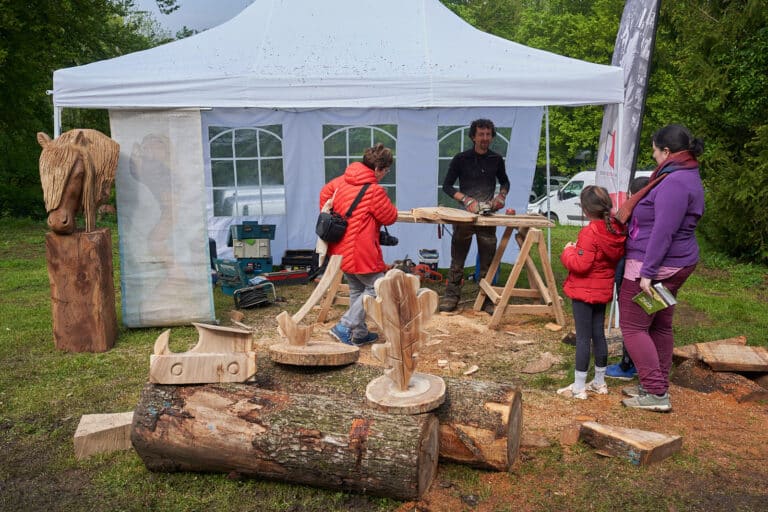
(44, 392)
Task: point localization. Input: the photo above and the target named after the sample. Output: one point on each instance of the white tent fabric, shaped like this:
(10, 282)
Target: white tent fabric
(339, 53)
(303, 65)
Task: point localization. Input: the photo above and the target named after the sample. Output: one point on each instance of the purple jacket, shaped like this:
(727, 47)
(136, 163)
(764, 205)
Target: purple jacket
(663, 224)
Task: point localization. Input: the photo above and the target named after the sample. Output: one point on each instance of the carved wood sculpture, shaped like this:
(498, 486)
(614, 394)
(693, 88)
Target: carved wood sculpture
(222, 354)
(298, 349)
(401, 309)
(77, 171)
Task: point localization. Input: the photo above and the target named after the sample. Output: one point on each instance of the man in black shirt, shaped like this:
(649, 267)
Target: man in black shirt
(477, 169)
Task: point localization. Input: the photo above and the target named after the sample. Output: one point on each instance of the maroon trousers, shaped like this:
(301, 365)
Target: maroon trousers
(648, 338)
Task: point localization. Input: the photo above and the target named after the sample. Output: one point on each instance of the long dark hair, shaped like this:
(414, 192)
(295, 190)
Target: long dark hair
(597, 204)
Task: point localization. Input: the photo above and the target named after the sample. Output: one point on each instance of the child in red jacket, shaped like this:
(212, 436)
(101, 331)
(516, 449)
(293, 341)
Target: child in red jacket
(591, 264)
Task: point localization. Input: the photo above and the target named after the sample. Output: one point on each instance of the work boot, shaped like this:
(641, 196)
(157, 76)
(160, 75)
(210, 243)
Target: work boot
(488, 306)
(448, 304)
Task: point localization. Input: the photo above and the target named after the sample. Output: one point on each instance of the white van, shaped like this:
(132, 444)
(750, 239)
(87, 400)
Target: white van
(564, 207)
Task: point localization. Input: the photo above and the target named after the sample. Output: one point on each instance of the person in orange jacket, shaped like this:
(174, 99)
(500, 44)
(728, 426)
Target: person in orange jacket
(362, 261)
(591, 264)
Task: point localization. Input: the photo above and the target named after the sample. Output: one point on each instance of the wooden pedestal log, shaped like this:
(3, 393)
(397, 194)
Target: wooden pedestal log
(82, 290)
(325, 442)
(480, 422)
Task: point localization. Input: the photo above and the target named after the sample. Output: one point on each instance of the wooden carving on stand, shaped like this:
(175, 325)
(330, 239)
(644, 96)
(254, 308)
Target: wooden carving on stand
(222, 354)
(401, 309)
(76, 172)
(298, 349)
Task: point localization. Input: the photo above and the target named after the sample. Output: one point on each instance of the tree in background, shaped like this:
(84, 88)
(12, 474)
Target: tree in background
(709, 72)
(37, 38)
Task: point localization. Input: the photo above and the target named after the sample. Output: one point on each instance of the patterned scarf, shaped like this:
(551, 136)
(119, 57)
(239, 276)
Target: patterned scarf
(675, 162)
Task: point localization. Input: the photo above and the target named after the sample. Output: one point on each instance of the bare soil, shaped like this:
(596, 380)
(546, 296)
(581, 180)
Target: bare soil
(723, 439)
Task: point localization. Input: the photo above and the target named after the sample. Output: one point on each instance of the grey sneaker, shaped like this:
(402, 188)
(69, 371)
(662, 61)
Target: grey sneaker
(632, 391)
(649, 402)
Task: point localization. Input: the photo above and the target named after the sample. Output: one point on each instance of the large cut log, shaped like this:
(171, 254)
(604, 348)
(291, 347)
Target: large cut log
(82, 290)
(327, 442)
(480, 422)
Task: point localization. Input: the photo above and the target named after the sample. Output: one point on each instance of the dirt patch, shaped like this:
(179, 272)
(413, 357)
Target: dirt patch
(725, 439)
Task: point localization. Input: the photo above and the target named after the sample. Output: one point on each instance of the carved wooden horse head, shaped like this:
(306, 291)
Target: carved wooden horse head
(77, 171)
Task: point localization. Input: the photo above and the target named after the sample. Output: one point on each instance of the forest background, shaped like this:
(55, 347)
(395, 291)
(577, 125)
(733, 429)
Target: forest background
(709, 72)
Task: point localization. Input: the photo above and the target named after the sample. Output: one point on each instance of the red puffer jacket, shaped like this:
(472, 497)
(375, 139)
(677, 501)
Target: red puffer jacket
(591, 264)
(359, 248)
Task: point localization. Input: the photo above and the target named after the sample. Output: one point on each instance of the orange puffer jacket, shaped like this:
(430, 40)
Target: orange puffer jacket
(359, 248)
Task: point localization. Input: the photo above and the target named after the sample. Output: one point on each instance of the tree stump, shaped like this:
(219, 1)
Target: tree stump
(480, 421)
(82, 290)
(298, 438)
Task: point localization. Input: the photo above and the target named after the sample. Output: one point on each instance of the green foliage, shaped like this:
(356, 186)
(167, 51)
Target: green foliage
(35, 40)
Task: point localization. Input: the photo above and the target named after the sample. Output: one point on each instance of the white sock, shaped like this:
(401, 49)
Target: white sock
(580, 381)
(599, 375)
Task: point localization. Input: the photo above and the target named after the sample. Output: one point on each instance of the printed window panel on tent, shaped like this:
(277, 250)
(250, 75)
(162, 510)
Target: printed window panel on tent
(452, 140)
(247, 171)
(346, 144)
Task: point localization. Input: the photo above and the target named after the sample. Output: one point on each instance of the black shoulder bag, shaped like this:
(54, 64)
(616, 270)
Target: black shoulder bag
(331, 226)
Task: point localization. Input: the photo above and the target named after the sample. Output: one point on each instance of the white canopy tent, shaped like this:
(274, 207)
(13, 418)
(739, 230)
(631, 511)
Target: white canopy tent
(409, 71)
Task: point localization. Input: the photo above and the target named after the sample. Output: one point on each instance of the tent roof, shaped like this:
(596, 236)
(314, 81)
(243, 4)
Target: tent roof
(339, 53)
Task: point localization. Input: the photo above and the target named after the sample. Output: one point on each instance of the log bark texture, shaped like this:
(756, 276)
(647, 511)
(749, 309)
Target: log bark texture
(82, 290)
(480, 421)
(297, 438)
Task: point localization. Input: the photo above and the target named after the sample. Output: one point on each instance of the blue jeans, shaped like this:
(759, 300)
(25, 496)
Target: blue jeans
(359, 286)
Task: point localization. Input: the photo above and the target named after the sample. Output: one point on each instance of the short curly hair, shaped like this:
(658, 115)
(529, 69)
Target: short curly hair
(378, 157)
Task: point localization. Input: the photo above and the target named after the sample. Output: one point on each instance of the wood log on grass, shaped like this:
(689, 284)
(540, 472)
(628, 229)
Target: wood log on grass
(480, 421)
(327, 442)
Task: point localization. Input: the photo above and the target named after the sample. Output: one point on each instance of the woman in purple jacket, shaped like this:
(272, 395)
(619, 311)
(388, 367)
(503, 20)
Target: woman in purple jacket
(661, 247)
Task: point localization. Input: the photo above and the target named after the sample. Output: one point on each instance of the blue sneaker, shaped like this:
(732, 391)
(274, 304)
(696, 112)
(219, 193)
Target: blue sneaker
(342, 334)
(371, 337)
(615, 371)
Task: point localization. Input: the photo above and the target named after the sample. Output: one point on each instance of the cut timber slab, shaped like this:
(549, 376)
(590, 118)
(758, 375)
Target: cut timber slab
(103, 433)
(425, 392)
(680, 354)
(640, 447)
(734, 358)
(314, 353)
(443, 213)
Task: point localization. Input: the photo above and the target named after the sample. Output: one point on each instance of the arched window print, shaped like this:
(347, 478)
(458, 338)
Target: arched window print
(346, 144)
(455, 139)
(247, 171)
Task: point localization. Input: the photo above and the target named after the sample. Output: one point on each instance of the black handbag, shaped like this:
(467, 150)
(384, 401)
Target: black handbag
(331, 226)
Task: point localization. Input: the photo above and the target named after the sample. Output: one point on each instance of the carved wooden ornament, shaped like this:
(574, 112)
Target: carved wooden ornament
(222, 354)
(298, 349)
(401, 310)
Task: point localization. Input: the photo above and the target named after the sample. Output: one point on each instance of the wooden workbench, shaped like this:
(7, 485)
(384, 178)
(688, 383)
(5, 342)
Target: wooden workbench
(542, 291)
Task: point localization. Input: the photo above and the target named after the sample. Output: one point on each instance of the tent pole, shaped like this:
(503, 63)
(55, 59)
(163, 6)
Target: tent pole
(56, 122)
(546, 137)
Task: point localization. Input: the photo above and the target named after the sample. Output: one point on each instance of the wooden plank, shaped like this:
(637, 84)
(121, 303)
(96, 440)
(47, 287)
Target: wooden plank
(640, 447)
(680, 354)
(734, 358)
(430, 215)
(103, 433)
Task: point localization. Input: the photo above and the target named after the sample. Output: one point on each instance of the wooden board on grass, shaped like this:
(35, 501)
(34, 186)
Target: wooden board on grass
(640, 447)
(685, 352)
(734, 358)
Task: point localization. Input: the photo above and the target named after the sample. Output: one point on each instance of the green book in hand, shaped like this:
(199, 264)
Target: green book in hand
(662, 298)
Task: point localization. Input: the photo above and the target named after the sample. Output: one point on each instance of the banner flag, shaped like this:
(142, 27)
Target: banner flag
(617, 150)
